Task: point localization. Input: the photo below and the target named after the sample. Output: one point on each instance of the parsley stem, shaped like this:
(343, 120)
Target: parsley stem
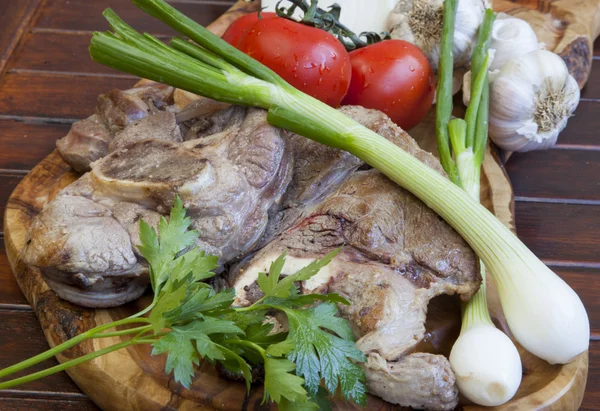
(65, 365)
(250, 344)
(256, 306)
(145, 310)
(128, 331)
(66, 345)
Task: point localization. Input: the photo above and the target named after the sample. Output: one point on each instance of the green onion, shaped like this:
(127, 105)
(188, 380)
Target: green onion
(543, 312)
(443, 105)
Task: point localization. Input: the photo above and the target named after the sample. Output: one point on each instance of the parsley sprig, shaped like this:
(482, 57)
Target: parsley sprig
(189, 321)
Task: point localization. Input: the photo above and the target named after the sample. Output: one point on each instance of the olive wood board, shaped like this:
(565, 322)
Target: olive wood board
(132, 379)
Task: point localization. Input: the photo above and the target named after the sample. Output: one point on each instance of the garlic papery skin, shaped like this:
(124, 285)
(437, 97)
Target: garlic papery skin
(511, 37)
(420, 22)
(531, 101)
(486, 364)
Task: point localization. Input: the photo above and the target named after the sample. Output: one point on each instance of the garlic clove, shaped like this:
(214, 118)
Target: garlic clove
(511, 37)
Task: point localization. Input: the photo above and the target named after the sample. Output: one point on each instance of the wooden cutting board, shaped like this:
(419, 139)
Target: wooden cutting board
(133, 379)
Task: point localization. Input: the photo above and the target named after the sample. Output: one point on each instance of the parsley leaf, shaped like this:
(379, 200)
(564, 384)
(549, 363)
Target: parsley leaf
(280, 382)
(181, 356)
(320, 354)
(273, 286)
(160, 251)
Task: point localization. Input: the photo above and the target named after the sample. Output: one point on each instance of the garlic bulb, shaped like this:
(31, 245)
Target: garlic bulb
(420, 22)
(511, 37)
(530, 101)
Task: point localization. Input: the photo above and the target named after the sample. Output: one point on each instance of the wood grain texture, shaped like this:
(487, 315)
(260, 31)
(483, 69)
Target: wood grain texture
(14, 20)
(560, 232)
(21, 339)
(10, 293)
(54, 95)
(591, 91)
(591, 401)
(567, 27)
(46, 404)
(23, 144)
(8, 182)
(582, 129)
(556, 174)
(59, 52)
(67, 14)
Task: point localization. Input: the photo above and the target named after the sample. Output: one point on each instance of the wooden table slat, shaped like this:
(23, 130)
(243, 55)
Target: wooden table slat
(54, 95)
(14, 20)
(591, 400)
(582, 128)
(556, 174)
(44, 404)
(24, 144)
(47, 51)
(22, 338)
(560, 232)
(10, 293)
(67, 14)
(7, 185)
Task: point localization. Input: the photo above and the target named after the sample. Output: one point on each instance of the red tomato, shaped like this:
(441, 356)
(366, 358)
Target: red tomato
(395, 77)
(310, 59)
(237, 29)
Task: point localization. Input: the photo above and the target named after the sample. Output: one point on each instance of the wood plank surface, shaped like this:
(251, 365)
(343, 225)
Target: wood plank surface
(560, 232)
(47, 51)
(556, 174)
(86, 15)
(22, 338)
(591, 400)
(14, 20)
(55, 95)
(45, 404)
(23, 144)
(582, 129)
(11, 296)
(8, 182)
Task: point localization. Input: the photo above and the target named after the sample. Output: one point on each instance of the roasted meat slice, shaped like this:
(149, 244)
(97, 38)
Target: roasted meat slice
(89, 139)
(397, 255)
(84, 240)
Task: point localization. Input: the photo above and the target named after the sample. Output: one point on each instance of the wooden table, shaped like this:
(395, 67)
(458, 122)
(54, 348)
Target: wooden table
(47, 81)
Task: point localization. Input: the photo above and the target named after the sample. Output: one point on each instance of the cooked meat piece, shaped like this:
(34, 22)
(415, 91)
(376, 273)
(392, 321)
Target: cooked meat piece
(427, 378)
(158, 126)
(84, 239)
(85, 255)
(216, 122)
(119, 108)
(319, 169)
(89, 139)
(397, 255)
